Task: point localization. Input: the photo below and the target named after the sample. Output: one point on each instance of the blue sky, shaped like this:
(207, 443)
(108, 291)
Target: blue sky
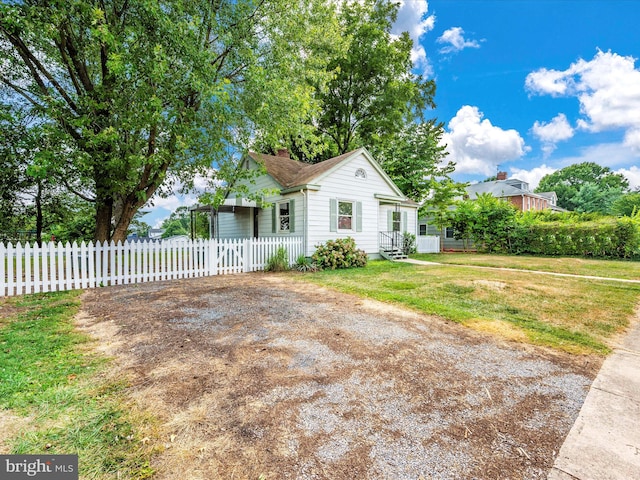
(525, 86)
(532, 86)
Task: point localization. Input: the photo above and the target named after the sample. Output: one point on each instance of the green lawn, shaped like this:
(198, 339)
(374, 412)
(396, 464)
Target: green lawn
(49, 376)
(570, 314)
(573, 265)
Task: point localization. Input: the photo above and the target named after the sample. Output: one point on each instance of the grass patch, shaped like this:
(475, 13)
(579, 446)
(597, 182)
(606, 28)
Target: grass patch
(48, 374)
(625, 269)
(570, 314)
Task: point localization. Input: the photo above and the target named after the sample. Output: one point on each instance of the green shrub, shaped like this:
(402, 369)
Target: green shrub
(606, 237)
(409, 243)
(278, 262)
(305, 264)
(340, 253)
(494, 228)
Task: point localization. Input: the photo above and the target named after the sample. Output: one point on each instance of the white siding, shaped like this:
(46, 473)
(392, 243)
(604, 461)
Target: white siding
(238, 224)
(342, 184)
(265, 222)
(408, 214)
(262, 182)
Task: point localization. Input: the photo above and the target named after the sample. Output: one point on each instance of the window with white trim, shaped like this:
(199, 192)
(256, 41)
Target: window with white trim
(284, 216)
(448, 233)
(345, 215)
(396, 221)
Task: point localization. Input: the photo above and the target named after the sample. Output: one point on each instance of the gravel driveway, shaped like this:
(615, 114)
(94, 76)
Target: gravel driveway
(259, 375)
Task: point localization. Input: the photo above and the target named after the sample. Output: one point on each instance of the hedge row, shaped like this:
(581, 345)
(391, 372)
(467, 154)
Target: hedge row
(606, 238)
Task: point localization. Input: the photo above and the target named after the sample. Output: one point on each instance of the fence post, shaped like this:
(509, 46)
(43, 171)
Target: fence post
(52, 267)
(27, 268)
(37, 252)
(247, 256)
(4, 260)
(44, 260)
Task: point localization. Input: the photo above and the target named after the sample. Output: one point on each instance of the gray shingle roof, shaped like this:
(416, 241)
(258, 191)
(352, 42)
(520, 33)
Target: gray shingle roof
(499, 188)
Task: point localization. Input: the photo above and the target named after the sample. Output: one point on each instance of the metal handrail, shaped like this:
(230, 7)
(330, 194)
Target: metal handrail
(391, 240)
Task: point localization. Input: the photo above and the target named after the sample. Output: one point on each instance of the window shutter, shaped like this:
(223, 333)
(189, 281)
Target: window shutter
(333, 215)
(358, 216)
(292, 215)
(389, 220)
(273, 218)
(403, 227)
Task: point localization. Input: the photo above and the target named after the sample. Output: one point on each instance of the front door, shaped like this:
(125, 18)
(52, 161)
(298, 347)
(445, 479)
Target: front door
(255, 221)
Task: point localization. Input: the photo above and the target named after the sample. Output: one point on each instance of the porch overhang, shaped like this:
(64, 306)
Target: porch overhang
(389, 198)
(297, 188)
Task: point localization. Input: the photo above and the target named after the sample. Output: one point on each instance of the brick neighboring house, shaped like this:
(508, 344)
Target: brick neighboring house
(513, 190)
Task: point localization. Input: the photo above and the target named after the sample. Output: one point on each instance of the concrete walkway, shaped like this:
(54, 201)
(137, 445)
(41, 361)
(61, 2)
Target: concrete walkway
(604, 442)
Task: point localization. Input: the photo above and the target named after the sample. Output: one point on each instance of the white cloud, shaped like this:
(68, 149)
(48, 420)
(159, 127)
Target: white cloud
(557, 130)
(533, 176)
(413, 18)
(543, 81)
(173, 201)
(607, 88)
(605, 154)
(205, 181)
(160, 207)
(633, 175)
(454, 37)
(477, 146)
(632, 139)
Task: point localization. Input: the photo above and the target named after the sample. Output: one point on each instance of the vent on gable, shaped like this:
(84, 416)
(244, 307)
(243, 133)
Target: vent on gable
(360, 173)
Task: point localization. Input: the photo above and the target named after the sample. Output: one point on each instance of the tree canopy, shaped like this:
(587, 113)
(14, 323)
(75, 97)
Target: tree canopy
(138, 94)
(585, 187)
(372, 93)
(416, 162)
(32, 202)
(627, 204)
(179, 223)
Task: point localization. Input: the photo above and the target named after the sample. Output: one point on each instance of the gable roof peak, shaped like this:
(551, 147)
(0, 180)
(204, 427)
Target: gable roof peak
(291, 173)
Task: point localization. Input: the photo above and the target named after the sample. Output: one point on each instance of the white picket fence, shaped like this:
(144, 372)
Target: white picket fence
(428, 244)
(54, 266)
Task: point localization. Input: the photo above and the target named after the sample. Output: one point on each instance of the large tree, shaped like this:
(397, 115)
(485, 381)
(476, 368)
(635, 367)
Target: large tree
(138, 93)
(585, 187)
(373, 92)
(13, 178)
(180, 223)
(30, 200)
(627, 204)
(415, 159)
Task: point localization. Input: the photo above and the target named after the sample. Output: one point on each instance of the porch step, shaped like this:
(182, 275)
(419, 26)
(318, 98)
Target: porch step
(392, 254)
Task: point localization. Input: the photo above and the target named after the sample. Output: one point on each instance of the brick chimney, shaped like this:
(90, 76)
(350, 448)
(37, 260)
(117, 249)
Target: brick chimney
(283, 152)
(502, 176)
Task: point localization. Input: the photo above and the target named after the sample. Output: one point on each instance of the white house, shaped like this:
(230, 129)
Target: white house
(345, 196)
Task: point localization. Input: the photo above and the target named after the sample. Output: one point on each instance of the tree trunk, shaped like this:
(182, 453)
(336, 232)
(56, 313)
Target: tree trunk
(127, 213)
(104, 208)
(39, 214)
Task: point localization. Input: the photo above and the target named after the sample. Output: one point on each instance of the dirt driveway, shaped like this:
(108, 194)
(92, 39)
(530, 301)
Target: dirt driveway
(255, 375)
